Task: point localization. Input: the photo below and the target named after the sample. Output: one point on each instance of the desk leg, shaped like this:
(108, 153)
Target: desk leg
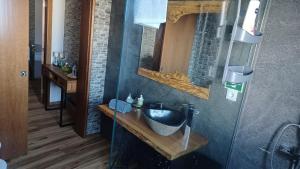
(46, 95)
(61, 107)
(46, 92)
(63, 102)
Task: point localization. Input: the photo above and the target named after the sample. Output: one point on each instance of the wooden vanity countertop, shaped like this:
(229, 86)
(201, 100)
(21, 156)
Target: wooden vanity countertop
(169, 146)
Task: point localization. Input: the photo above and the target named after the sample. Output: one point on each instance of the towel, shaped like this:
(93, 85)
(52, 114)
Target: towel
(150, 12)
(120, 106)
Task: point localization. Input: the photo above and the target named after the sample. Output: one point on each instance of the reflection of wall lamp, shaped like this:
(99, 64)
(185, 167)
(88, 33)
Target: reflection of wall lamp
(223, 13)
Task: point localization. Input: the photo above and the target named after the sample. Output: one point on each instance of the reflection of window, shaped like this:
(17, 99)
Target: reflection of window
(152, 40)
(189, 47)
(147, 49)
(159, 113)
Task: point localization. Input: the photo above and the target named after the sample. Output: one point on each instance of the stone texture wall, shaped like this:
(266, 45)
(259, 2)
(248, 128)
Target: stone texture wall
(148, 41)
(273, 97)
(31, 21)
(98, 63)
(205, 50)
(72, 30)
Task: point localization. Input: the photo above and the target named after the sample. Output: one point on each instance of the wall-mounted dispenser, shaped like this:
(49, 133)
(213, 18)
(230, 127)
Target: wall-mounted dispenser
(242, 73)
(246, 37)
(238, 74)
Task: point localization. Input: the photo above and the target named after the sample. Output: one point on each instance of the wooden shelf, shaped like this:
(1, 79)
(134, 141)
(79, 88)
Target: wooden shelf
(169, 146)
(177, 9)
(176, 81)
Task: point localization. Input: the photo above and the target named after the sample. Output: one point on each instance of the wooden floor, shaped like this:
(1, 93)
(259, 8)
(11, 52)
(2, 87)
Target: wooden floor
(50, 146)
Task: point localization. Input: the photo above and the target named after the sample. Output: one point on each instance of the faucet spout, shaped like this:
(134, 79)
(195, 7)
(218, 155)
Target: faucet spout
(189, 111)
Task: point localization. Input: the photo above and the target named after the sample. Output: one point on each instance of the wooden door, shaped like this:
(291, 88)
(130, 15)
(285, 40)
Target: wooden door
(14, 50)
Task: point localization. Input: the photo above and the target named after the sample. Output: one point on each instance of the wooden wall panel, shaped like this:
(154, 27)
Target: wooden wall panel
(177, 45)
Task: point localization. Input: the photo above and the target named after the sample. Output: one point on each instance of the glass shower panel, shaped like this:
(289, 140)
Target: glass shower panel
(213, 120)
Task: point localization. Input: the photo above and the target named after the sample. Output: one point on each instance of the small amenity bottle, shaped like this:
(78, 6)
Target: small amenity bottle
(129, 99)
(140, 101)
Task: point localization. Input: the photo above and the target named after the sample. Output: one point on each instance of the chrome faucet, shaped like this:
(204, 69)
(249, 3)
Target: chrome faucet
(160, 105)
(189, 112)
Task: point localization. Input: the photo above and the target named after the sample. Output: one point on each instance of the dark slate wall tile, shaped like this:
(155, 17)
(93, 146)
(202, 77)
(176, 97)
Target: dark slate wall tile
(115, 48)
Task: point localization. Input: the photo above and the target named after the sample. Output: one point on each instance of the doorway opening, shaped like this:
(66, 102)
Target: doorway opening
(55, 146)
(54, 37)
(36, 44)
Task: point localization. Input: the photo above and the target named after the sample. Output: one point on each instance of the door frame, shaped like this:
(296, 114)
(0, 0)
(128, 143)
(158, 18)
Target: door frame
(85, 55)
(47, 44)
(48, 31)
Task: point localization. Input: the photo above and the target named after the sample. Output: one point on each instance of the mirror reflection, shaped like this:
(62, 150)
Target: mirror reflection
(188, 47)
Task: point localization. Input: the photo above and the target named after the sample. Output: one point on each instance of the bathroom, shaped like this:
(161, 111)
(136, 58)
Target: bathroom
(249, 122)
(241, 133)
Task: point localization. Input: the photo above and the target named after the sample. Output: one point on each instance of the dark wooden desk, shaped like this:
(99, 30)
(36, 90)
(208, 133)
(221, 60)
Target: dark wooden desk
(68, 85)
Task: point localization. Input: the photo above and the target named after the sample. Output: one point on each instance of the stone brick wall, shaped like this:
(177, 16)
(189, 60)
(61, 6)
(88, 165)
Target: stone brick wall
(72, 30)
(31, 20)
(205, 49)
(98, 63)
(148, 41)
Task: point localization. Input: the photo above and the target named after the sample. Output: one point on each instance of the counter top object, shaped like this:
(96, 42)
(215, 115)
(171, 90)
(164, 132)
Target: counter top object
(169, 146)
(164, 122)
(68, 85)
(56, 75)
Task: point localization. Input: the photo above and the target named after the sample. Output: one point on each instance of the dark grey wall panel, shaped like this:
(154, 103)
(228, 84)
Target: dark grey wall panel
(273, 97)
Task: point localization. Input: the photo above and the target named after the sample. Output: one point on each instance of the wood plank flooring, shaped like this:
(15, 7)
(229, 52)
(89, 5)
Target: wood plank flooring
(50, 146)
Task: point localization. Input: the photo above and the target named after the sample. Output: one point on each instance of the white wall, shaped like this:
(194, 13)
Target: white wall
(58, 18)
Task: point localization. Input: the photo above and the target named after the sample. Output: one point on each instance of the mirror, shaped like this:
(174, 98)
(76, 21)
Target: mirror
(184, 51)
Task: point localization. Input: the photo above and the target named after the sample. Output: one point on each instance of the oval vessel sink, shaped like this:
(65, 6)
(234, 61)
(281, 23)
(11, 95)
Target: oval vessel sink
(164, 121)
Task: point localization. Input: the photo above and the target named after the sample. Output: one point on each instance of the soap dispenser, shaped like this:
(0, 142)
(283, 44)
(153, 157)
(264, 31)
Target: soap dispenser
(129, 99)
(140, 101)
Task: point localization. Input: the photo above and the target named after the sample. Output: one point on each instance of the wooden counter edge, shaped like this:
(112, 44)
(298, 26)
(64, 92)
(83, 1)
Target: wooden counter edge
(105, 109)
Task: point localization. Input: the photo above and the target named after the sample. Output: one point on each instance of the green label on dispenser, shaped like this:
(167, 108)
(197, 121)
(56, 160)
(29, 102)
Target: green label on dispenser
(235, 86)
